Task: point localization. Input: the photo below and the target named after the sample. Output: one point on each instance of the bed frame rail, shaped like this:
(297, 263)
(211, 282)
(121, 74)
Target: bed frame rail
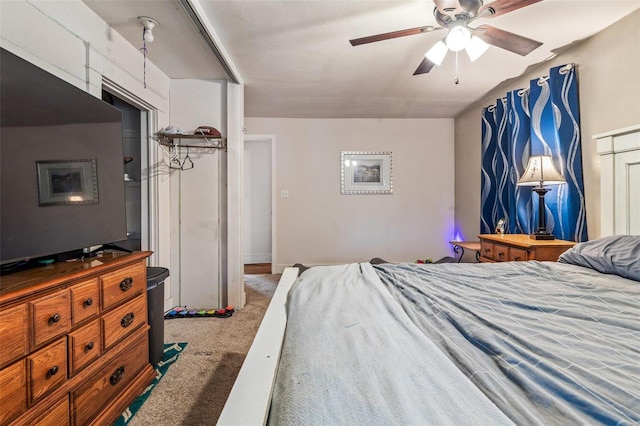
(250, 397)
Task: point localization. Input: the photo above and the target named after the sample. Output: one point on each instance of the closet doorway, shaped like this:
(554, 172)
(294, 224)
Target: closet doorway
(258, 204)
(135, 160)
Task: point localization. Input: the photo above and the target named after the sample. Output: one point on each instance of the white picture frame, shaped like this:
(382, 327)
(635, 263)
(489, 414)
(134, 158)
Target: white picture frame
(364, 172)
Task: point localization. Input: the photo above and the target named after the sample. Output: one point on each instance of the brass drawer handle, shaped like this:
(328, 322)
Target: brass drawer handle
(88, 303)
(127, 320)
(52, 371)
(54, 319)
(126, 284)
(117, 376)
(500, 254)
(88, 347)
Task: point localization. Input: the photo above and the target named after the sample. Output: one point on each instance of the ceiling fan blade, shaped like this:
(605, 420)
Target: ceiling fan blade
(447, 6)
(509, 41)
(393, 34)
(500, 7)
(424, 67)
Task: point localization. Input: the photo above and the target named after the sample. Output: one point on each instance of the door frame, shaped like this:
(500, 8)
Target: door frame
(150, 208)
(272, 142)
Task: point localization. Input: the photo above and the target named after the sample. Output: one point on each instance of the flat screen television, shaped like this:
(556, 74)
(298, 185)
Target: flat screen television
(61, 166)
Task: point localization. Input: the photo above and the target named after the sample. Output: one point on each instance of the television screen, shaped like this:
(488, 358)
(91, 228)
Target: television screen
(61, 165)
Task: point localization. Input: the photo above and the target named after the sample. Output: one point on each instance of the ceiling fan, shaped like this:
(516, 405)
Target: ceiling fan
(455, 16)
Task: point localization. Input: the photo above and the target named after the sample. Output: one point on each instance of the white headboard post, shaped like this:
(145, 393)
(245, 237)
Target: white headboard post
(619, 181)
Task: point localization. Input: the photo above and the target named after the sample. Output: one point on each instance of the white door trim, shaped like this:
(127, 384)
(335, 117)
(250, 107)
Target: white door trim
(152, 155)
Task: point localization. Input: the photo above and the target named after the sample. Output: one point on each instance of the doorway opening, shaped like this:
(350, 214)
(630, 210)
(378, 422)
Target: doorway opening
(259, 241)
(134, 161)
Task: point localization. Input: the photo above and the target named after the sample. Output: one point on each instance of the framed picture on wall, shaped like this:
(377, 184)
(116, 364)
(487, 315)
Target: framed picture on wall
(364, 172)
(67, 182)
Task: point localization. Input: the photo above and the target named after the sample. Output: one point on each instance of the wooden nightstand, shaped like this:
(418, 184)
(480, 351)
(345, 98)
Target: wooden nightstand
(519, 247)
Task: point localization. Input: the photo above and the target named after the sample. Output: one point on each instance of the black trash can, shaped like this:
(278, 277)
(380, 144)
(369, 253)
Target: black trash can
(155, 304)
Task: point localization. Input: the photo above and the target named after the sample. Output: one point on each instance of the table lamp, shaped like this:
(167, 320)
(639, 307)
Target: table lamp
(540, 172)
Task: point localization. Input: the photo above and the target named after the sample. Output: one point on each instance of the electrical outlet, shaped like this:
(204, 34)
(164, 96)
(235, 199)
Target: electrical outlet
(284, 193)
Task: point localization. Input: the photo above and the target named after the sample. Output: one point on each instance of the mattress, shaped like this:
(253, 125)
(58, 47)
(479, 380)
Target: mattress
(522, 342)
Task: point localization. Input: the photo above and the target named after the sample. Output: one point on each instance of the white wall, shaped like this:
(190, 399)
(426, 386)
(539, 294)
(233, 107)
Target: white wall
(318, 225)
(195, 219)
(70, 41)
(608, 66)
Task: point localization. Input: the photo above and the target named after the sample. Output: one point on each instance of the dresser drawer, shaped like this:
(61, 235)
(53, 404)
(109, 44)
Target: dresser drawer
(500, 253)
(486, 249)
(57, 415)
(113, 379)
(84, 346)
(518, 255)
(50, 317)
(47, 368)
(123, 284)
(123, 320)
(85, 301)
(13, 334)
(13, 391)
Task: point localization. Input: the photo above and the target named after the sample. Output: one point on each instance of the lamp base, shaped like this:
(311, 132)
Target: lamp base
(541, 236)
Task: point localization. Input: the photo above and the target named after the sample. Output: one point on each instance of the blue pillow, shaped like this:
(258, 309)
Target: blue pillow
(618, 254)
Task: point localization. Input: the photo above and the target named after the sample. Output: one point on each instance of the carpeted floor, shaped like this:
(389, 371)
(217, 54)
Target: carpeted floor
(171, 354)
(195, 388)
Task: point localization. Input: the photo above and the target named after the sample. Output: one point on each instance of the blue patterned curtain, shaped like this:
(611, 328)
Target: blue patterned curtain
(543, 119)
(489, 205)
(521, 221)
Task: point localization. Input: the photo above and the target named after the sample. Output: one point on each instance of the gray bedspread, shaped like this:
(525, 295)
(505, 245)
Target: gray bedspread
(548, 343)
(352, 356)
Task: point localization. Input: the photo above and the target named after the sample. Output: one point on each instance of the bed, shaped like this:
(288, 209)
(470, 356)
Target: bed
(509, 343)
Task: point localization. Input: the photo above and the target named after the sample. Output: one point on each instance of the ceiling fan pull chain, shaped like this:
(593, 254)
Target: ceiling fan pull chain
(456, 79)
(144, 66)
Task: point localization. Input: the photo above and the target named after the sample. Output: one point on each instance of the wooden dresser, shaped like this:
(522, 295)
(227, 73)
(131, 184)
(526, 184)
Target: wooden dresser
(519, 247)
(74, 341)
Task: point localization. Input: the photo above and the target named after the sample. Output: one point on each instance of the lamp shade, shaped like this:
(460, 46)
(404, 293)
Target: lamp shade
(476, 48)
(541, 171)
(437, 53)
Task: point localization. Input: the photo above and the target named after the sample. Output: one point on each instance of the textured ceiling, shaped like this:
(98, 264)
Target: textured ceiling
(296, 61)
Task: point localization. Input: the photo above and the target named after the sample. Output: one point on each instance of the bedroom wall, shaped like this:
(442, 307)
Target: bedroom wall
(317, 225)
(608, 65)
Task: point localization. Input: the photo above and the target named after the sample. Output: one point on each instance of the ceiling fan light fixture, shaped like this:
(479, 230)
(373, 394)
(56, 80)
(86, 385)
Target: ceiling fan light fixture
(437, 53)
(476, 48)
(458, 38)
